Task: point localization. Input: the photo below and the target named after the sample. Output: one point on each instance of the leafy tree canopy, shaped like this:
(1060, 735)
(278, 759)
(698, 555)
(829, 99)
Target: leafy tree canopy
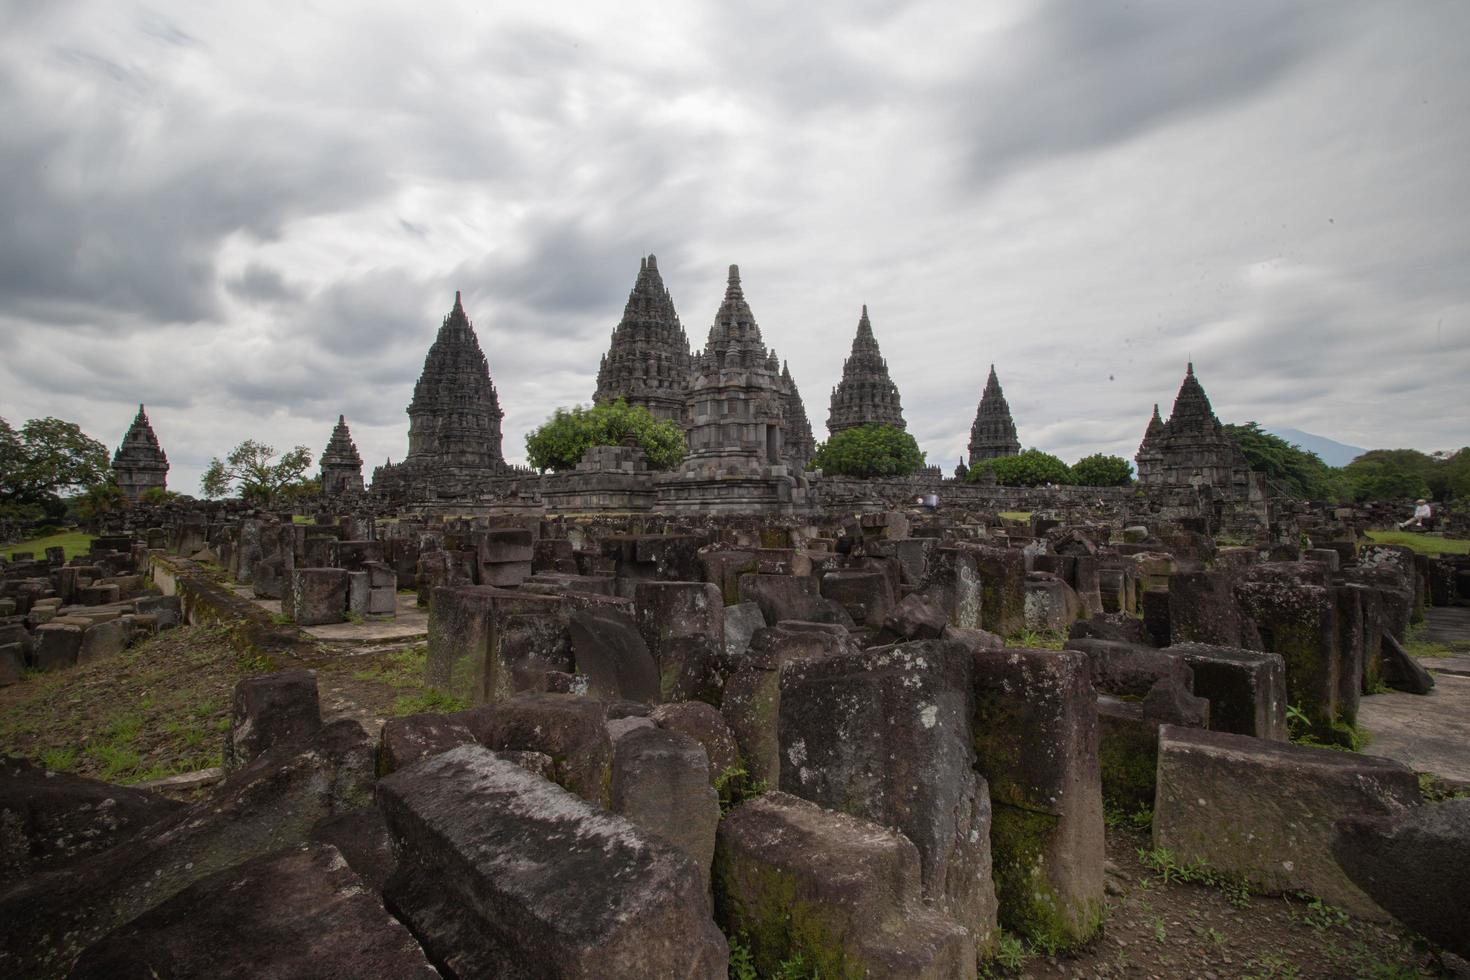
(560, 442)
(46, 459)
(253, 471)
(1099, 470)
(1301, 474)
(1032, 468)
(869, 450)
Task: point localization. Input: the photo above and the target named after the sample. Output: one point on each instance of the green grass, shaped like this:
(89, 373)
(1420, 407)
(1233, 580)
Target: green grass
(1416, 646)
(1014, 515)
(1038, 639)
(1424, 544)
(74, 542)
(402, 669)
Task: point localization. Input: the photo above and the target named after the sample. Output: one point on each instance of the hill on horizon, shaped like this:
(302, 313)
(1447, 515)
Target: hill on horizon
(1332, 452)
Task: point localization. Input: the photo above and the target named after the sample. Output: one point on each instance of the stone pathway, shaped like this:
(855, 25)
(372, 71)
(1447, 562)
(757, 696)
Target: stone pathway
(409, 624)
(1429, 733)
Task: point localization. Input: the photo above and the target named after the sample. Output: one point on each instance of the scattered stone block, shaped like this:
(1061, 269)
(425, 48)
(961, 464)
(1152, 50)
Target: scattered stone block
(611, 654)
(841, 893)
(485, 644)
(408, 739)
(1002, 574)
(102, 640)
(741, 622)
(916, 617)
(952, 582)
(487, 882)
(670, 616)
(866, 595)
(1265, 810)
(1416, 865)
(570, 729)
(1036, 743)
(884, 735)
(1128, 670)
(57, 646)
(1051, 605)
(706, 726)
(1401, 670)
(1298, 621)
(270, 709)
(661, 782)
(301, 912)
(1246, 688)
(789, 597)
(318, 596)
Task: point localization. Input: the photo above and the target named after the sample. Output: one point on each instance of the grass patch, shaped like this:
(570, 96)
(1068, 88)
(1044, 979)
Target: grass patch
(74, 543)
(402, 669)
(1415, 645)
(1424, 544)
(1115, 817)
(156, 709)
(1166, 868)
(1038, 639)
(430, 700)
(1014, 515)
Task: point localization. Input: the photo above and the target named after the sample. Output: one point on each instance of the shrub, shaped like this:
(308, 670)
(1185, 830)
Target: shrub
(869, 450)
(1030, 469)
(1099, 470)
(560, 441)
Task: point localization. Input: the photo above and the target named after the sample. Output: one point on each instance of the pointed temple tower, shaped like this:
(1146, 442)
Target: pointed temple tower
(733, 422)
(1192, 448)
(648, 361)
(454, 418)
(994, 432)
(800, 445)
(866, 393)
(139, 463)
(1150, 456)
(341, 465)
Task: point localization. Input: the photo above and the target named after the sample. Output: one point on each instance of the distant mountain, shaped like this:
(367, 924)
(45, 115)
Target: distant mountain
(1333, 453)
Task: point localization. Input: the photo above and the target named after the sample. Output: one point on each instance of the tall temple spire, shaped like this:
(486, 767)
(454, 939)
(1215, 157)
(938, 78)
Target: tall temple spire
(647, 362)
(993, 433)
(139, 465)
(454, 418)
(799, 442)
(866, 394)
(341, 465)
(1192, 448)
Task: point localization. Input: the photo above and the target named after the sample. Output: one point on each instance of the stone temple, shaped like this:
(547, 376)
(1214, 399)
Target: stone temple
(1192, 447)
(866, 394)
(994, 432)
(139, 464)
(800, 444)
(734, 422)
(454, 438)
(648, 361)
(341, 465)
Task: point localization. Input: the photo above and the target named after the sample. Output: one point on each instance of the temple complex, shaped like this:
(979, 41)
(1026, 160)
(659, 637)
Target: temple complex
(648, 361)
(866, 394)
(139, 464)
(800, 444)
(1192, 447)
(341, 465)
(454, 439)
(994, 432)
(734, 422)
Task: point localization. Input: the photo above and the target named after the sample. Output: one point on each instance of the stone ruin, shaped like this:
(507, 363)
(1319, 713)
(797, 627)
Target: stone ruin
(898, 783)
(647, 363)
(994, 432)
(1192, 448)
(341, 466)
(139, 465)
(866, 395)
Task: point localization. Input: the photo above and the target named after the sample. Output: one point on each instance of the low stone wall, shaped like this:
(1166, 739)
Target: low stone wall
(205, 601)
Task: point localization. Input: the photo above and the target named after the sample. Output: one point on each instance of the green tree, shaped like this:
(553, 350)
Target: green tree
(1300, 473)
(869, 450)
(558, 444)
(254, 472)
(1031, 468)
(1395, 474)
(1099, 470)
(46, 459)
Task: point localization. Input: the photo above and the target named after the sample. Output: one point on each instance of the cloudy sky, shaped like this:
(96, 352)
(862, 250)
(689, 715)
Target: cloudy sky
(254, 218)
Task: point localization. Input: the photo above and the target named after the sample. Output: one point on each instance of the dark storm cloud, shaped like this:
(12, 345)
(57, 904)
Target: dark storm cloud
(1078, 76)
(259, 284)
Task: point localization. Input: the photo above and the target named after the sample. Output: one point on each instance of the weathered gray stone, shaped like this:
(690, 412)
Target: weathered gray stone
(570, 729)
(670, 614)
(661, 782)
(1246, 688)
(57, 646)
(485, 644)
(103, 640)
(487, 882)
(706, 726)
(1416, 865)
(866, 595)
(1265, 810)
(406, 740)
(1036, 743)
(741, 622)
(791, 597)
(317, 596)
(884, 735)
(609, 651)
(270, 709)
(300, 913)
(841, 893)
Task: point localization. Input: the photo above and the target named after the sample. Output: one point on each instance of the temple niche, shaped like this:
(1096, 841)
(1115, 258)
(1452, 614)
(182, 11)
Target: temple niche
(866, 394)
(341, 465)
(734, 423)
(1192, 447)
(454, 438)
(994, 432)
(647, 362)
(139, 465)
